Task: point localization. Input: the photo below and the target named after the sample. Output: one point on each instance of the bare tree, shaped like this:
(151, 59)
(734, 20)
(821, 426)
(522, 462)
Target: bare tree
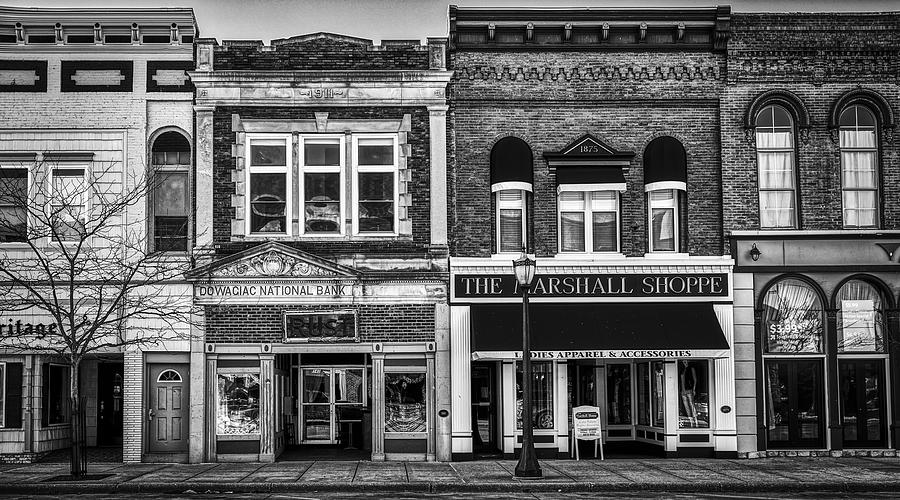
(83, 262)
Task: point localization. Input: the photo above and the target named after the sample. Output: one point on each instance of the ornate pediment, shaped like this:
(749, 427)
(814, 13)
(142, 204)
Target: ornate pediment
(273, 260)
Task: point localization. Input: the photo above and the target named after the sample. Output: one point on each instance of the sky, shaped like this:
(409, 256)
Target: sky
(401, 19)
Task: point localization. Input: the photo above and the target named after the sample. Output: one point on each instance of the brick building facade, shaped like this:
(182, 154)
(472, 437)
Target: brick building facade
(816, 287)
(323, 279)
(596, 132)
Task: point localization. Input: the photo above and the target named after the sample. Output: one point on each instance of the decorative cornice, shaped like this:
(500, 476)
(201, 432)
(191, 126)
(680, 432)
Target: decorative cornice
(623, 72)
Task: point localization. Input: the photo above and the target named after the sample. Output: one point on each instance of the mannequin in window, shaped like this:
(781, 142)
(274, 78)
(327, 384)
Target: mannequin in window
(688, 377)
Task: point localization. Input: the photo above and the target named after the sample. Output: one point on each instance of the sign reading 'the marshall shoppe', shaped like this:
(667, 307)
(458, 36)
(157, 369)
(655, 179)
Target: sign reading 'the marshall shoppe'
(333, 326)
(595, 285)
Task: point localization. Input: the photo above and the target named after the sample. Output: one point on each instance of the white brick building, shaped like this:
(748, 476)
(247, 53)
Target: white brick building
(101, 96)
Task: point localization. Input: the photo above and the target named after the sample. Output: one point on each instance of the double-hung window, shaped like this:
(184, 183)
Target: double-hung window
(171, 163)
(588, 221)
(775, 156)
(269, 185)
(859, 160)
(322, 185)
(13, 202)
(510, 220)
(375, 185)
(663, 220)
(68, 203)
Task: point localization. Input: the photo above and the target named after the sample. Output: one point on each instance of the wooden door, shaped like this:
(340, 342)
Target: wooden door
(167, 415)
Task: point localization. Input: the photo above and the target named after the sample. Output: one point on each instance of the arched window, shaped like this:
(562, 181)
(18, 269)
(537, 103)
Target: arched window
(775, 157)
(792, 318)
(665, 181)
(169, 376)
(511, 177)
(859, 167)
(860, 319)
(170, 163)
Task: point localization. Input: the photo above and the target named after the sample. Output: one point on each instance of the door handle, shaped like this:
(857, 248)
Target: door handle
(149, 413)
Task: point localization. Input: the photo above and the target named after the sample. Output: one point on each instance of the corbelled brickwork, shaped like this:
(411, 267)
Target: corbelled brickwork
(818, 58)
(325, 53)
(265, 323)
(549, 99)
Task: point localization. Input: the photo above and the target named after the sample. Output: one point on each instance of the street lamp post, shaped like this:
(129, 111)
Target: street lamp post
(528, 466)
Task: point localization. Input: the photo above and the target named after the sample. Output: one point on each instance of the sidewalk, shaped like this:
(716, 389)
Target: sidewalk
(674, 475)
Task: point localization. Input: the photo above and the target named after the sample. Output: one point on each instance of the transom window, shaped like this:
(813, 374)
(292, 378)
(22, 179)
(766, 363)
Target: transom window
(330, 174)
(775, 157)
(859, 166)
(169, 376)
(589, 221)
(860, 318)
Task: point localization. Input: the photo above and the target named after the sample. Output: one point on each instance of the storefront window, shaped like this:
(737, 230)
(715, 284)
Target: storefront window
(405, 402)
(618, 394)
(693, 390)
(792, 318)
(56, 394)
(860, 318)
(541, 395)
(643, 393)
(658, 385)
(238, 404)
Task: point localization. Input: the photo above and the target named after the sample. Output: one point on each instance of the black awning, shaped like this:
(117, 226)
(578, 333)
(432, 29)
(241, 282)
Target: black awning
(692, 325)
(589, 175)
(511, 161)
(665, 160)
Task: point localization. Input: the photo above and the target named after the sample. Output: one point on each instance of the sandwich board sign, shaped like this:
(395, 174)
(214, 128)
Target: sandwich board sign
(587, 427)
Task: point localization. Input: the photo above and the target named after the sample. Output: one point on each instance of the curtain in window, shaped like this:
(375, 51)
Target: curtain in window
(776, 188)
(511, 238)
(860, 319)
(858, 177)
(605, 226)
(792, 318)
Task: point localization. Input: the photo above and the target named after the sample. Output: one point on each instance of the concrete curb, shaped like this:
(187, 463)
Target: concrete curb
(62, 488)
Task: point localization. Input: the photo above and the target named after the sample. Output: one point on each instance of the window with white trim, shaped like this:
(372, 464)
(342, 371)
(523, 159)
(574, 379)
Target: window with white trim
(588, 221)
(68, 202)
(13, 199)
(775, 157)
(322, 185)
(268, 185)
(375, 184)
(664, 220)
(859, 167)
(170, 200)
(510, 220)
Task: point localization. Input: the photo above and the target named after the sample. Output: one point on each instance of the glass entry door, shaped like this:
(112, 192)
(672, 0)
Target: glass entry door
(326, 396)
(862, 402)
(794, 403)
(484, 408)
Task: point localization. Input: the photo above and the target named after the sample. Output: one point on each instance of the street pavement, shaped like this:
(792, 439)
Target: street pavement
(779, 476)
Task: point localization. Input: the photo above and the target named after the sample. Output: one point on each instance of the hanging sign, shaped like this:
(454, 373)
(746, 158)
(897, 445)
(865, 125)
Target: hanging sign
(586, 423)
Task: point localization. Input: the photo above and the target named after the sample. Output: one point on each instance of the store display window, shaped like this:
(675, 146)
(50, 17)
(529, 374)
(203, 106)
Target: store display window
(792, 318)
(405, 402)
(693, 392)
(237, 405)
(541, 395)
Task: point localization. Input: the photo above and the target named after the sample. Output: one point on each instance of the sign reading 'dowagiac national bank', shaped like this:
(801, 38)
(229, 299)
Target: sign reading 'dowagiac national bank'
(594, 286)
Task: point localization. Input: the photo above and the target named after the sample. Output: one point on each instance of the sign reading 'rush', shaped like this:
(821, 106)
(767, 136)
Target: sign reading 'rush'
(596, 285)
